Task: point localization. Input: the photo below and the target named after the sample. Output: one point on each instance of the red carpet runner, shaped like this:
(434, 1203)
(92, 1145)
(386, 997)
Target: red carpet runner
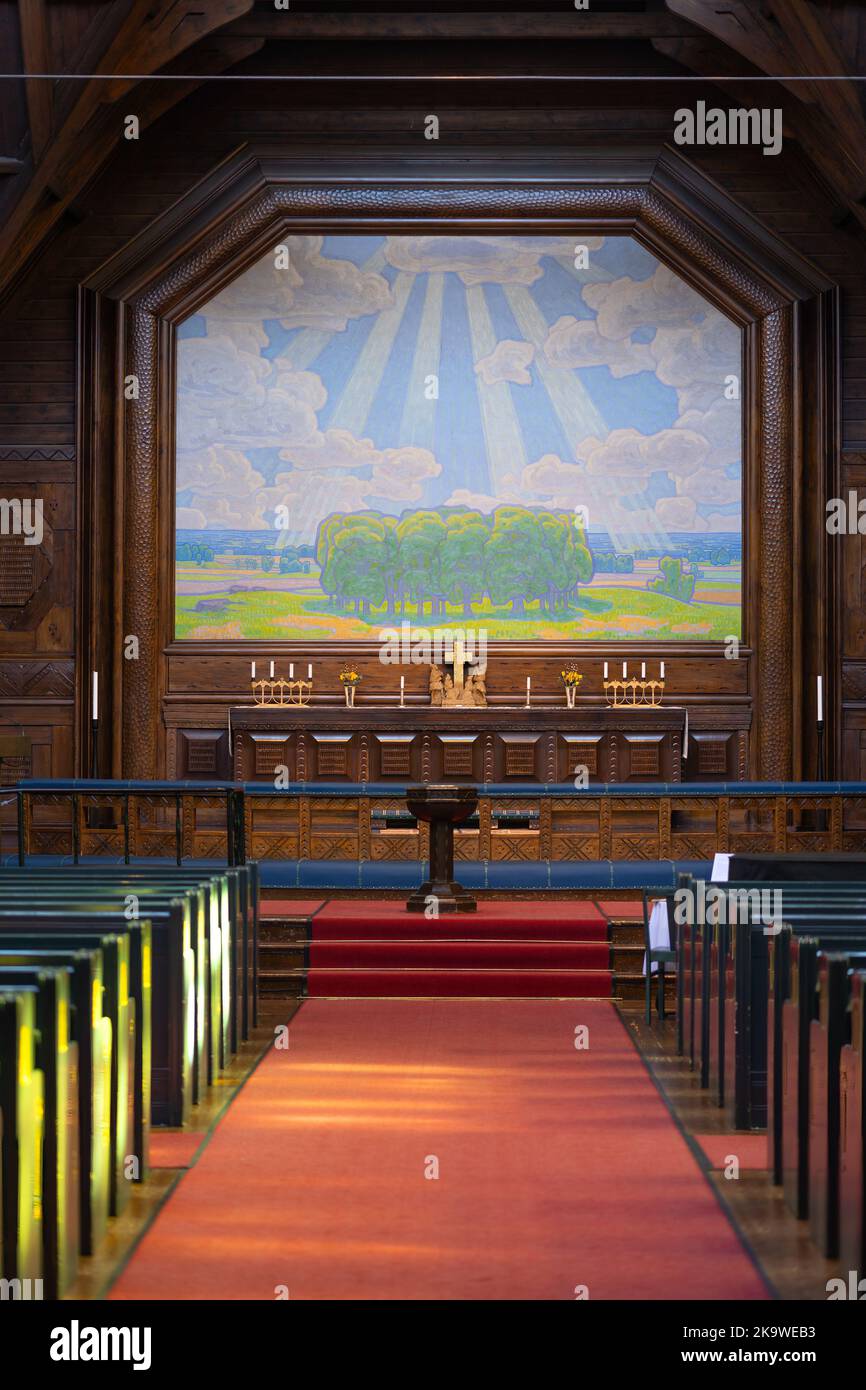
(557, 1168)
(513, 949)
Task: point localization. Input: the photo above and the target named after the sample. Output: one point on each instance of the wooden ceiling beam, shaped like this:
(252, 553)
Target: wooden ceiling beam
(292, 27)
(790, 39)
(39, 91)
(149, 38)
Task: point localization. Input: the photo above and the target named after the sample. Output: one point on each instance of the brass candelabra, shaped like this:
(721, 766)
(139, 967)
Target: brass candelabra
(634, 693)
(282, 692)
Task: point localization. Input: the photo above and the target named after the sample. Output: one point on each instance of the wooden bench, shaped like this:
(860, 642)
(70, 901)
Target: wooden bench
(56, 1056)
(852, 1131)
(22, 1100)
(91, 1032)
(829, 1031)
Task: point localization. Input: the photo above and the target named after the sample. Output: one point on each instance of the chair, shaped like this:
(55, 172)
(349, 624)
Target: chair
(656, 955)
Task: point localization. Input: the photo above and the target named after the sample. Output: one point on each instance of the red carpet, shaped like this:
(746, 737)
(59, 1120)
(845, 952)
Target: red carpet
(566, 921)
(557, 1168)
(510, 949)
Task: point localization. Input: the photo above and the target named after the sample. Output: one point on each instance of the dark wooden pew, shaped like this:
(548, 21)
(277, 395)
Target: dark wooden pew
(94, 897)
(91, 1032)
(779, 989)
(22, 1099)
(162, 972)
(235, 916)
(798, 1013)
(732, 991)
(119, 1005)
(828, 1033)
(852, 1132)
(57, 1059)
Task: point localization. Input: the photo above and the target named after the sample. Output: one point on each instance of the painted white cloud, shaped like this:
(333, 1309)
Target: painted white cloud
(226, 472)
(624, 305)
(483, 260)
(508, 361)
(313, 291)
(577, 343)
(677, 513)
(396, 474)
(709, 486)
(232, 397)
(190, 519)
(483, 501)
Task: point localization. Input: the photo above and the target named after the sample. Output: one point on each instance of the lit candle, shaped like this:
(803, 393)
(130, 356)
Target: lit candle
(820, 700)
(291, 670)
(402, 687)
(605, 670)
(272, 670)
(624, 669)
(96, 695)
(663, 671)
(528, 685)
(310, 672)
(252, 670)
(643, 670)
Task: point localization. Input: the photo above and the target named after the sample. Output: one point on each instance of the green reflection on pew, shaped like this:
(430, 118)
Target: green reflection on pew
(57, 1059)
(22, 1102)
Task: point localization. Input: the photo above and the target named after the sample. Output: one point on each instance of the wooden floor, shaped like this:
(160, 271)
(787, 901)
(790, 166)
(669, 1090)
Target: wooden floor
(778, 1241)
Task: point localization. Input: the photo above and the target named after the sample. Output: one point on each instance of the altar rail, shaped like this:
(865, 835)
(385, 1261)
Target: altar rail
(228, 822)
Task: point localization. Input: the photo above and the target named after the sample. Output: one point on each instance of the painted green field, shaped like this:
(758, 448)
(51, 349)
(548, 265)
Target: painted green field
(603, 614)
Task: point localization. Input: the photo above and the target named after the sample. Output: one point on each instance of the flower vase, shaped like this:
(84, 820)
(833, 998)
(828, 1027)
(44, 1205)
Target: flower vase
(570, 692)
(350, 695)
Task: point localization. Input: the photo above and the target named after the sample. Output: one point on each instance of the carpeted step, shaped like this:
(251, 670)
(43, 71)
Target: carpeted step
(289, 907)
(460, 955)
(463, 984)
(557, 921)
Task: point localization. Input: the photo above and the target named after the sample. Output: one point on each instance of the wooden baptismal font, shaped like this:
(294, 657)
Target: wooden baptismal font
(444, 807)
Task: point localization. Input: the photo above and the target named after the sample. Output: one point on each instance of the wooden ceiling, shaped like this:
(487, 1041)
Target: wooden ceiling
(76, 67)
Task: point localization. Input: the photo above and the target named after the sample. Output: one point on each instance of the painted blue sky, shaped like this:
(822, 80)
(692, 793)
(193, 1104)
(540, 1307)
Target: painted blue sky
(389, 373)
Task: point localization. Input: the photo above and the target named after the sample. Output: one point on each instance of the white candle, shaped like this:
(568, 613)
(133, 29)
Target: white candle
(624, 669)
(643, 670)
(272, 670)
(528, 683)
(820, 700)
(663, 671)
(605, 670)
(291, 670)
(96, 695)
(310, 672)
(402, 684)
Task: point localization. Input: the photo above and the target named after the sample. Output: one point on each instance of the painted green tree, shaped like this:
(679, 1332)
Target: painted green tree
(672, 581)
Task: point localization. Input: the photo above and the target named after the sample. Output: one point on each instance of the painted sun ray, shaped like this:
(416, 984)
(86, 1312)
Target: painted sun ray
(418, 422)
(578, 415)
(306, 346)
(353, 407)
(506, 452)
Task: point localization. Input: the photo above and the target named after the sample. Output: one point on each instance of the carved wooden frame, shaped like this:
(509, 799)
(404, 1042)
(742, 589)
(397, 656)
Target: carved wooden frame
(242, 209)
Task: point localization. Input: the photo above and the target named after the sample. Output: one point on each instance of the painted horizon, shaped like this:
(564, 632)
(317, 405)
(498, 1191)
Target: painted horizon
(529, 435)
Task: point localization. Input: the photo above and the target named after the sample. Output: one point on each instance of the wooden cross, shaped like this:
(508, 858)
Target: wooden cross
(459, 662)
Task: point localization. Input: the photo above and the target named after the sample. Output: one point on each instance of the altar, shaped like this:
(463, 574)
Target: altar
(492, 744)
